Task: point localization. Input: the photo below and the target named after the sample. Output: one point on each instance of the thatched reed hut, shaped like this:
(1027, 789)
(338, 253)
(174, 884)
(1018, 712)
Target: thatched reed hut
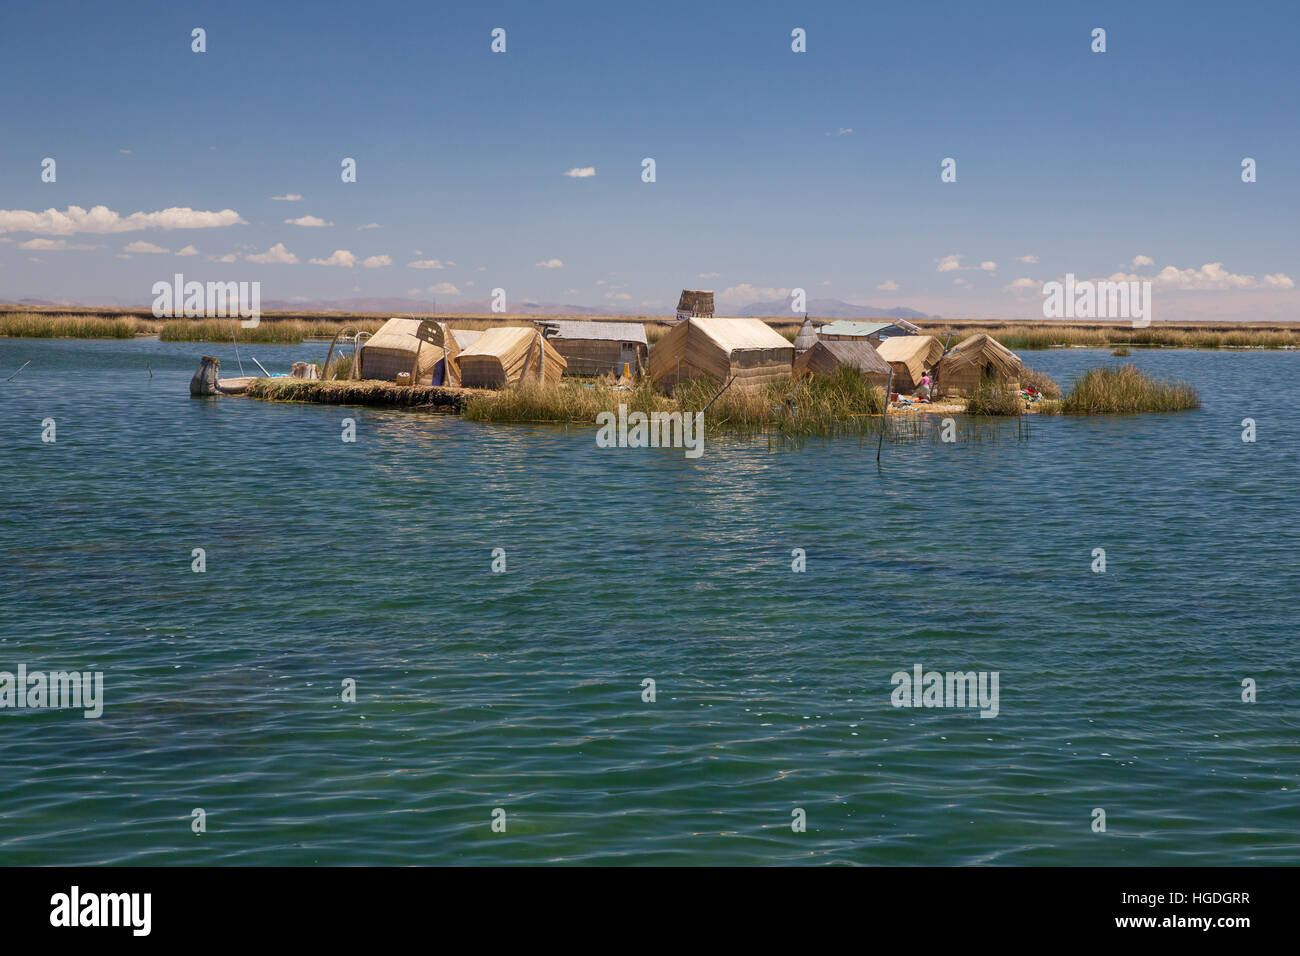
(966, 364)
(417, 347)
(598, 348)
(695, 302)
(825, 357)
(806, 338)
(394, 349)
(506, 355)
(910, 356)
(717, 349)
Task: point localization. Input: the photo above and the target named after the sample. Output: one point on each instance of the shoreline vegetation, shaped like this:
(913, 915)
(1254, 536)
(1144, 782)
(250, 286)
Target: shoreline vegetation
(295, 328)
(843, 403)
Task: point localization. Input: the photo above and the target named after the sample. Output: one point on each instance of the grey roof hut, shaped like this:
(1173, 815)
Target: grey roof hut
(806, 338)
(598, 348)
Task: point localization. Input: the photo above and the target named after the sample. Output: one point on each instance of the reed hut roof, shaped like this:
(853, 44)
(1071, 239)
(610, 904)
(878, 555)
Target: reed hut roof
(507, 354)
(861, 355)
(733, 334)
(595, 331)
(396, 334)
(983, 350)
(917, 352)
(465, 337)
(807, 336)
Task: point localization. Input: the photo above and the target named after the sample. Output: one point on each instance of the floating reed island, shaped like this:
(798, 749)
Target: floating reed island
(746, 377)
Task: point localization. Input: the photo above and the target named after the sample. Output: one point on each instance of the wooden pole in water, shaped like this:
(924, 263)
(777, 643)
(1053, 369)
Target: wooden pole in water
(884, 415)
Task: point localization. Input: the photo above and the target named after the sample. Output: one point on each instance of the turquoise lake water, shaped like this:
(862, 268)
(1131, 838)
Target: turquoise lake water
(522, 690)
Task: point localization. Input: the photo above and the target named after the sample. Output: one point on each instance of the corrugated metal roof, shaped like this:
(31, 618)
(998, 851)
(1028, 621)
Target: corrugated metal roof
(853, 327)
(599, 331)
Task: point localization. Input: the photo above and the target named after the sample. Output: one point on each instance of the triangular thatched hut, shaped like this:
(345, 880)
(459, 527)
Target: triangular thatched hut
(506, 355)
(910, 356)
(825, 357)
(806, 338)
(966, 364)
(717, 349)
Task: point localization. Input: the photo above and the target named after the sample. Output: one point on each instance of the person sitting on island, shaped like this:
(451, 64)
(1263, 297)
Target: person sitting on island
(924, 390)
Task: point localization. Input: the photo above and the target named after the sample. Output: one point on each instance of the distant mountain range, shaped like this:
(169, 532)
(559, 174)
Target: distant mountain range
(826, 309)
(776, 309)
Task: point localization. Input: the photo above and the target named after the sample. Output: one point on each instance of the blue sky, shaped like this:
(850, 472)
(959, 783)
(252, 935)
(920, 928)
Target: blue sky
(775, 169)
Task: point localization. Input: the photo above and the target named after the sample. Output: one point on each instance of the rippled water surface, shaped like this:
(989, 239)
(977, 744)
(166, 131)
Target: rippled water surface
(523, 690)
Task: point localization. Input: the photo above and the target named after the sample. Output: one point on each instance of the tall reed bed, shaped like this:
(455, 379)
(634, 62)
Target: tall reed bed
(1031, 336)
(44, 325)
(1125, 388)
(842, 403)
(225, 330)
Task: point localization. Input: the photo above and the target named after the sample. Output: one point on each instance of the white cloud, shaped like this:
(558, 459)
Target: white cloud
(889, 285)
(289, 197)
(949, 263)
(312, 222)
(413, 291)
(581, 172)
(750, 293)
(551, 264)
(708, 275)
(101, 219)
(1031, 259)
(276, 255)
(142, 247)
(228, 257)
(962, 282)
(1020, 285)
(370, 225)
(844, 131)
(377, 262)
(989, 266)
(617, 295)
(426, 264)
(187, 251)
(444, 288)
(1211, 277)
(339, 257)
(1141, 261)
(52, 245)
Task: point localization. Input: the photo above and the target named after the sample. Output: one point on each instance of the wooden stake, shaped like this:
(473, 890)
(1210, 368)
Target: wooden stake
(884, 415)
